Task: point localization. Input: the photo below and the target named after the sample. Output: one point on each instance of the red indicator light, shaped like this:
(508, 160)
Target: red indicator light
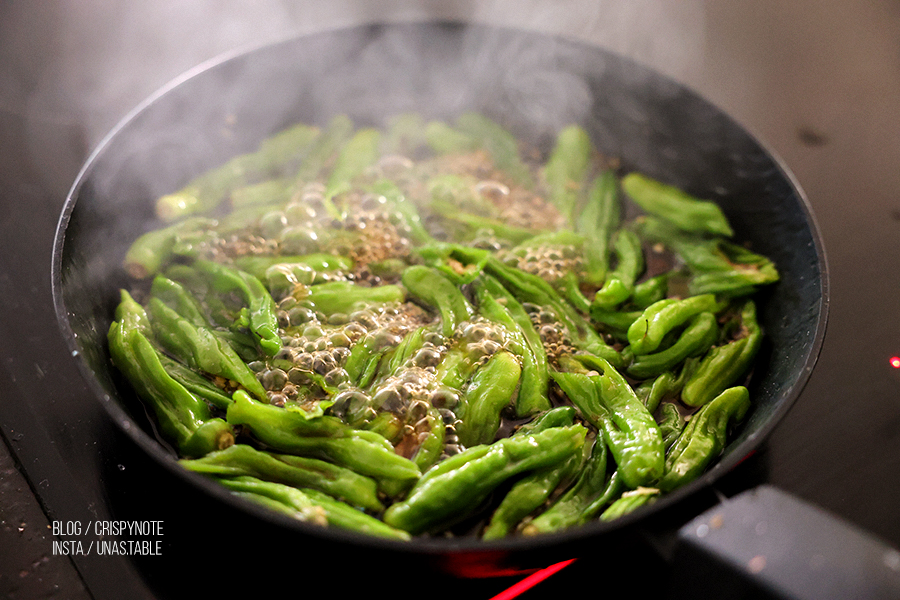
(531, 581)
(895, 362)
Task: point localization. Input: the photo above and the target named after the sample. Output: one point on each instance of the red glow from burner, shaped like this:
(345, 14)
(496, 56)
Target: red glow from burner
(531, 581)
(895, 362)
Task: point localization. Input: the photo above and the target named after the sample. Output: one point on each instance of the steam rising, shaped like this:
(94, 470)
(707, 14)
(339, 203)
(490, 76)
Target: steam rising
(115, 54)
(534, 84)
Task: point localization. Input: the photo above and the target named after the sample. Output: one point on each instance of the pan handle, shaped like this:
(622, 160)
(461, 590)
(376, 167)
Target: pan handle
(766, 543)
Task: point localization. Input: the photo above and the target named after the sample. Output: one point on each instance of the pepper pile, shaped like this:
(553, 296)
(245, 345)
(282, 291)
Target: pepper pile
(428, 329)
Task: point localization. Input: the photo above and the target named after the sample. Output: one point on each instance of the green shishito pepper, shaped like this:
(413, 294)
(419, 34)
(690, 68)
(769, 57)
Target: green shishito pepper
(609, 403)
(443, 138)
(435, 290)
(666, 385)
(722, 366)
(698, 337)
(605, 311)
(526, 287)
(200, 348)
(619, 284)
(647, 332)
(210, 189)
(293, 431)
(360, 151)
(179, 299)
(500, 144)
(493, 387)
(319, 263)
(652, 289)
(531, 491)
(344, 297)
(597, 222)
(567, 168)
(280, 498)
(310, 505)
(671, 423)
(676, 206)
(297, 471)
(261, 306)
(498, 305)
(703, 438)
(184, 419)
(716, 266)
(591, 485)
(458, 485)
(628, 502)
(150, 252)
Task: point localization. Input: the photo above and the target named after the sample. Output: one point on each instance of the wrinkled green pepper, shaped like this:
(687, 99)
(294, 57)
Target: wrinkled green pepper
(200, 348)
(297, 471)
(184, 419)
(698, 337)
(435, 290)
(647, 332)
(493, 387)
(676, 206)
(724, 365)
(703, 438)
(324, 437)
(609, 403)
(466, 479)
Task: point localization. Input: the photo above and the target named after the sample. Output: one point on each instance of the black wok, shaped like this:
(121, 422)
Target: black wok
(532, 84)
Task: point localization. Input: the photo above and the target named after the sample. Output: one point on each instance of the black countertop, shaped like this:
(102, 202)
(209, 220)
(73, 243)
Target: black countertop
(820, 87)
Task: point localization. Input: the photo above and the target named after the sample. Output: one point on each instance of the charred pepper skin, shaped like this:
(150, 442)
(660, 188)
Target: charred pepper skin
(456, 490)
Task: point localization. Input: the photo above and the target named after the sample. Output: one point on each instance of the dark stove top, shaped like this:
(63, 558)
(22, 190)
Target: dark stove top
(839, 447)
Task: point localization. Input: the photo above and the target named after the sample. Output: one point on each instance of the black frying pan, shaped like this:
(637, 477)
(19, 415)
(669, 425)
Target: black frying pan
(533, 85)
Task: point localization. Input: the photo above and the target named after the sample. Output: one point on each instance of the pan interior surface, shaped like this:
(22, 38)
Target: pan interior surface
(532, 84)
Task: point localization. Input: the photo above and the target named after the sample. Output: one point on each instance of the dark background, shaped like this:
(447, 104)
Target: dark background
(818, 82)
